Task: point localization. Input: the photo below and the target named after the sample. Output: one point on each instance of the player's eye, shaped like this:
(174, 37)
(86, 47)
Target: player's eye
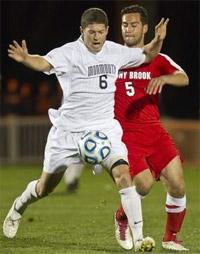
(125, 25)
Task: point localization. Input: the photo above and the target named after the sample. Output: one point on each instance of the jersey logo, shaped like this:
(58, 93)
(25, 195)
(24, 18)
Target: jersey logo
(134, 75)
(101, 69)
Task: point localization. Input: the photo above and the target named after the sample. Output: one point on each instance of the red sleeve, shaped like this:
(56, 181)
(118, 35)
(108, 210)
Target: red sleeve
(166, 65)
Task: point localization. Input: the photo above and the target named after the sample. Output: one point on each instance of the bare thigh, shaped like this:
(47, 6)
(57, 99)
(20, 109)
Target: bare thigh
(173, 179)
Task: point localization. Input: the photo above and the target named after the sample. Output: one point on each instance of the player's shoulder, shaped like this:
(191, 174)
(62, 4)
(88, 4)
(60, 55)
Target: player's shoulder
(67, 48)
(70, 45)
(113, 45)
(161, 59)
(119, 49)
(162, 56)
(164, 60)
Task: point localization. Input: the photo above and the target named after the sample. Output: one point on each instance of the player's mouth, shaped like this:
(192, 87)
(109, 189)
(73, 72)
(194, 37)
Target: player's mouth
(129, 36)
(96, 43)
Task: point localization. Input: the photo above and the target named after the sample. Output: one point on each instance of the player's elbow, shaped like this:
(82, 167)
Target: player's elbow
(45, 66)
(148, 58)
(182, 78)
(186, 80)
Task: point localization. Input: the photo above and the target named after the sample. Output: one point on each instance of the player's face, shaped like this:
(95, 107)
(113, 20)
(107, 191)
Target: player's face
(133, 30)
(94, 36)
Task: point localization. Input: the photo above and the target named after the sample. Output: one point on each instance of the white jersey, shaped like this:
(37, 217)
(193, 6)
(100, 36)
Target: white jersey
(88, 83)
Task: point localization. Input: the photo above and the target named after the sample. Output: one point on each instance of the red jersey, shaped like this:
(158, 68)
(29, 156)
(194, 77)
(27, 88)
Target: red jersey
(138, 114)
(132, 104)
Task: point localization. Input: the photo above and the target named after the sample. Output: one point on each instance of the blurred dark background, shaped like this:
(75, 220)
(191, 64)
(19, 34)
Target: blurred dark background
(49, 24)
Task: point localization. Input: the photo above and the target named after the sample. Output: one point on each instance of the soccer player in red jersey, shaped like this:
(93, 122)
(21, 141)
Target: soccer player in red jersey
(152, 153)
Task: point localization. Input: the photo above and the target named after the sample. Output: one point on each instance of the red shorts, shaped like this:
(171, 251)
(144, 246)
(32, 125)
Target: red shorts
(149, 146)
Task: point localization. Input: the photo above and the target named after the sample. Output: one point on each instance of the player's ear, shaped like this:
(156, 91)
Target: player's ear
(107, 29)
(81, 30)
(145, 27)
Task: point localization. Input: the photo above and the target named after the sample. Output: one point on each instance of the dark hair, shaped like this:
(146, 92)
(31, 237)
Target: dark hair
(93, 15)
(136, 9)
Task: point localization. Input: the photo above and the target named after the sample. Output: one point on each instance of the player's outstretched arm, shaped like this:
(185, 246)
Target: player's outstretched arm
(154, 47)
(178, 78)
(20, 54)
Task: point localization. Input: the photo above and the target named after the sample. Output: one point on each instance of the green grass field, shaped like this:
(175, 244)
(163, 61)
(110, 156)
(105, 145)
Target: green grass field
(83, 222)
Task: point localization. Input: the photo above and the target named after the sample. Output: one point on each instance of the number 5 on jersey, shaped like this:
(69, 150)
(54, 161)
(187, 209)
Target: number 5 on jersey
(130, 91)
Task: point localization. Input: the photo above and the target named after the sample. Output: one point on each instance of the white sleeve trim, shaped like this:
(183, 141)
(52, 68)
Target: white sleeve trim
(178, 67)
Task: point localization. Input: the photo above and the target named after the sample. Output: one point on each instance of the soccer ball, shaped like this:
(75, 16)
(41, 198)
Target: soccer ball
(148, 244)
(94, 147)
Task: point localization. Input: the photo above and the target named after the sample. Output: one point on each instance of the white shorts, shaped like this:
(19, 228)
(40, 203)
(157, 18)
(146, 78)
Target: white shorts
(62, 148)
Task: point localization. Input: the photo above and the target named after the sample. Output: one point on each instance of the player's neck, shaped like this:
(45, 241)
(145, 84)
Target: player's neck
(139, 45)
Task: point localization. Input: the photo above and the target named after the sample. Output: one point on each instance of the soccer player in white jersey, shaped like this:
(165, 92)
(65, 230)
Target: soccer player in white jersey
(86, 70)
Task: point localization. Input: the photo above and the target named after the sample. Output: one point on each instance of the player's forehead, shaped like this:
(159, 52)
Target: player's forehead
(133, 17)
(96, 27)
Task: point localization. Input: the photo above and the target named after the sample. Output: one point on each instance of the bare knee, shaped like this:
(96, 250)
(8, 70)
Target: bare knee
(143, 188)
(143, 182)
(122, 176)
(124, 180)
(47, 183)
(173, 179)
(43, 190)
(178, 190)
(174, 186)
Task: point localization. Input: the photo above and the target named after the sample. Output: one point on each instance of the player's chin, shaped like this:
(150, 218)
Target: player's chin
(97, 48)
(130, 42)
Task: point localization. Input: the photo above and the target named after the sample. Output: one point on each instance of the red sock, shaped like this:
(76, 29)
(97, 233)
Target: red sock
(173, 225)
(120, 214)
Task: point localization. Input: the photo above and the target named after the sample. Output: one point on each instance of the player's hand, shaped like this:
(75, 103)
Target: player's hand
(155, 85)
(17, 52)
(161, 29)
(154, 47)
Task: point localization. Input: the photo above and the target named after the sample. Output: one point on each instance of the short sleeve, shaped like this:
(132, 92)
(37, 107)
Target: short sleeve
(131, 57)
(59, 58)
(166, 65)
